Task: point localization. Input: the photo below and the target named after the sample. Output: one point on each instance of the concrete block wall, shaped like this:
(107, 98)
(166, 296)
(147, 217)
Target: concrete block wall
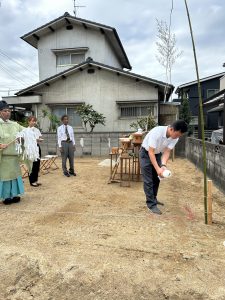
(95, 144)
(215, 158)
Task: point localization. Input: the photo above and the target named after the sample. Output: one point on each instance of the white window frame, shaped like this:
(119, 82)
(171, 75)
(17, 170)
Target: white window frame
(135, 110)
(70, 58)
(66, 107)
(210, 90)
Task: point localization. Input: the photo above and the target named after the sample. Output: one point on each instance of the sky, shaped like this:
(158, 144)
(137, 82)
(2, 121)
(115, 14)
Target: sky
(135, 22)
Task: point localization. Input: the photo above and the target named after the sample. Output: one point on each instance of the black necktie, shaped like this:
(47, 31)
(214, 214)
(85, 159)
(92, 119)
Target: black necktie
(67, 134)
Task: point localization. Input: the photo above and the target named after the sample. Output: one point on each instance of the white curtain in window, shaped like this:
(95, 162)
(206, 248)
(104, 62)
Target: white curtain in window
(77, 58)
(63, 60)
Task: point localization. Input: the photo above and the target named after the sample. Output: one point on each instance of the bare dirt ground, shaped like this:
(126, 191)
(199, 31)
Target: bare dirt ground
(81, 238)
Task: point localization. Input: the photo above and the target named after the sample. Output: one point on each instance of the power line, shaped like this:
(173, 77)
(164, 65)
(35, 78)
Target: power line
(7, 71)
(18, 73)
(21, 65)
(3, 91)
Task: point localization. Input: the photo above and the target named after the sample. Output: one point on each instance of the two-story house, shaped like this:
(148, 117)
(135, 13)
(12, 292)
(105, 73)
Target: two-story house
(209, 86)
(84, 62)
(215, 108)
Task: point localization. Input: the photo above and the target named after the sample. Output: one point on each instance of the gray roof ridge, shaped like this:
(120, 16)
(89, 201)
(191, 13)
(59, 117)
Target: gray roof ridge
(90, 63)
(52, 77)
(135, 74)
(201, 79)
(66, 14)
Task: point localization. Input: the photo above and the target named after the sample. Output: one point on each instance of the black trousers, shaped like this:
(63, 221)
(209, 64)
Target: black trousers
(33, 176)
(150, 177)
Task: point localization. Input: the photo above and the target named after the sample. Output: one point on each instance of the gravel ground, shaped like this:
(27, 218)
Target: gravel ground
(81, 238)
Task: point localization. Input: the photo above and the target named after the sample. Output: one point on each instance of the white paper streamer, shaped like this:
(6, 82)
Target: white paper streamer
(82, 142)
(31, 151)
(109, 143)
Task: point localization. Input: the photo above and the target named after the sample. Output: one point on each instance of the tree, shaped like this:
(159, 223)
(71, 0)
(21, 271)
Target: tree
(53, 119)
(90, 117)
(54, 122)
(185, 112)
(168, 53)
(145, 123)
(84, 112)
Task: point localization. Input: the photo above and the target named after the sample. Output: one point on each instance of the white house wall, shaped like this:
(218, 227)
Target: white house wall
(99, 48)
(101, 89)
(222, 83)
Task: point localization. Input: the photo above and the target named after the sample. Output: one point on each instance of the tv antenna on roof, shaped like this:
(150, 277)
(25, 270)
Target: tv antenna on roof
(76, 7)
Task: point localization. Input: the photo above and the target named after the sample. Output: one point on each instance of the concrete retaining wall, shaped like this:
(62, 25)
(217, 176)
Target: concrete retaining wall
(95, 144)
(215, 157)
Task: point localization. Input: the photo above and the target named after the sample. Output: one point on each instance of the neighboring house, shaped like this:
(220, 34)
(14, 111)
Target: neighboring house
(209, 86)
(215, 108)
(83, 62)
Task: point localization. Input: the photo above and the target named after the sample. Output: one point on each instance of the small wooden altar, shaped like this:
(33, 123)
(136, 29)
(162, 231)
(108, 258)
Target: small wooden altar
(125, 163)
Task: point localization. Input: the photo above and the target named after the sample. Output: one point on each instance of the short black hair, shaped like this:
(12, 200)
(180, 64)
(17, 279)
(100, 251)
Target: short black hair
(64, 116)
(3, 105)
(180, 125)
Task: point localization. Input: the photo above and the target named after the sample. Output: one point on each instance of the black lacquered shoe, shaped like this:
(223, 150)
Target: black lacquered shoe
(8, 201)
(73, 173)
(16, 199)
(155, 210)
(159, 203)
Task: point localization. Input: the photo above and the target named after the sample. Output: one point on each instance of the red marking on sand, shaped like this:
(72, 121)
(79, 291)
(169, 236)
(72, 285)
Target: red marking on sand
(190, 213)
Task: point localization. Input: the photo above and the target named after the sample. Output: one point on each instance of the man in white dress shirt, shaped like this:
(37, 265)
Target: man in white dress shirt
(154, 154)
(66, 143)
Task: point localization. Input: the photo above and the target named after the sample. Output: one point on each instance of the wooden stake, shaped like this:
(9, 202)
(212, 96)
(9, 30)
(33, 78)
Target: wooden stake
(115, 168)
(173, 154)
(209, 202)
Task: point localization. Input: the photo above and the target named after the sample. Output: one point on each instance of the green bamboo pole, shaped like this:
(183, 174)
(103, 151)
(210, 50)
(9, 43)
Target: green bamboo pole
(201, 117)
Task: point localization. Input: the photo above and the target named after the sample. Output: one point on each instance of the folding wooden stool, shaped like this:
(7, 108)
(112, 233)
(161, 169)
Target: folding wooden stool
(51, 161)
(24, 170)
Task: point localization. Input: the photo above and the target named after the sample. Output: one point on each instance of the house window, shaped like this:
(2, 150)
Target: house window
(211, 92)
(136, 111)
(69, 59)
(74, 118)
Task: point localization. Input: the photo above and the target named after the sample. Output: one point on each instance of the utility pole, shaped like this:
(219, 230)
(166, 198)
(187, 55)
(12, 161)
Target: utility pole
(76, 7)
